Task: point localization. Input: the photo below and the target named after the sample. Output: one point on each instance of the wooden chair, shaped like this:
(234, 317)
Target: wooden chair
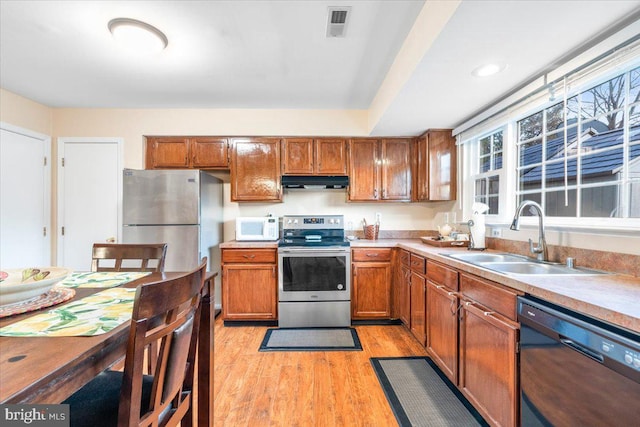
(167, 311)
(117, 253)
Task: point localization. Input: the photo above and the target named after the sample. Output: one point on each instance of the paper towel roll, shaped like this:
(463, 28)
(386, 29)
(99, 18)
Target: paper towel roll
(478, 229)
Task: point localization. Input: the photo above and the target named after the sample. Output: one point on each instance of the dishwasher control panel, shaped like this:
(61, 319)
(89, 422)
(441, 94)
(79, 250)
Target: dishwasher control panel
(602, 342)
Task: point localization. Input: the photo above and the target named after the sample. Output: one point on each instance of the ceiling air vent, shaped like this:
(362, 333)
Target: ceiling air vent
(337, 21)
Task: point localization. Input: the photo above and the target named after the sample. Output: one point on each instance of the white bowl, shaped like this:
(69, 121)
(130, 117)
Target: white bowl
(14, 289)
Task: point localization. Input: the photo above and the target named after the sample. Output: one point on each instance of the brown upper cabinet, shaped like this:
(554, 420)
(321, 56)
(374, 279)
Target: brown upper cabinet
(255, 170)
(202, 152)
(380, 169)
(436, 166)
(308, 156)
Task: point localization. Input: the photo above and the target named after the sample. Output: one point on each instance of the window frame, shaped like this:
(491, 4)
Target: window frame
(509, 175)
(471, 170)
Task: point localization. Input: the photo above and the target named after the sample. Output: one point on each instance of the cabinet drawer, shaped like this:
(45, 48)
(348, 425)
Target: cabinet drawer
(418, 263)
(263, 256)
(371, 254)
(443, 275)
(489, 294)
(404, 257)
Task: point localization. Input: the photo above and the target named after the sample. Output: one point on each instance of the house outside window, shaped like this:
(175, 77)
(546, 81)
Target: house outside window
(577, 154)
(580, 157)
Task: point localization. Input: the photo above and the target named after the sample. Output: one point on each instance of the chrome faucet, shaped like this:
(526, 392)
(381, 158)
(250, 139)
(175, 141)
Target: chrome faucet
(541, 250)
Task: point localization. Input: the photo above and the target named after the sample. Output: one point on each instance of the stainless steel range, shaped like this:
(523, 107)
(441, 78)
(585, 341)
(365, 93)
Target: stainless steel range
(314, 272)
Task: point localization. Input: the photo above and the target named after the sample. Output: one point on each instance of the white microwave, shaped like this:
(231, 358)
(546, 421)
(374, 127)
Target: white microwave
(257, 228)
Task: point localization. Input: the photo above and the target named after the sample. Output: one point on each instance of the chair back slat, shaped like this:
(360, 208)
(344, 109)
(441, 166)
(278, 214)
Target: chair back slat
(128, 257)
(166, 312)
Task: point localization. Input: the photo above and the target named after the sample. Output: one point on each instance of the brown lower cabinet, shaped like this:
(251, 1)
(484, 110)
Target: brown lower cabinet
(371, 283)
(489, 336)
(418, 297)
(402, 288)
(473, 335)
(249, 284)
(442, 328)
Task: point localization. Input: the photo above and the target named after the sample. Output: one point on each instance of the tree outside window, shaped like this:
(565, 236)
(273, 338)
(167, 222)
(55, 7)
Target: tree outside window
(581, 158)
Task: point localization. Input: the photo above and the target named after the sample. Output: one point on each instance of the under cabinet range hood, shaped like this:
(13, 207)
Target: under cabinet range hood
(314, 182)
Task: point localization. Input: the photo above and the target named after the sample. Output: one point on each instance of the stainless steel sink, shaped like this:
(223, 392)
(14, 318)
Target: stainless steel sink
(519, 265)
(475, 258)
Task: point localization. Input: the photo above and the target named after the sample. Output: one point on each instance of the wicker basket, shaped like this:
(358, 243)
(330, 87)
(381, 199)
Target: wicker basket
(371, 232)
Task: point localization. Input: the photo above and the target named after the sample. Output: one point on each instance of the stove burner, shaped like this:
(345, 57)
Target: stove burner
(313, 231)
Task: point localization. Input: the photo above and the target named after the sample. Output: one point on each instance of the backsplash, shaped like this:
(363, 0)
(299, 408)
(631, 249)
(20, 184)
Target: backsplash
(399, 234)
(599, 260)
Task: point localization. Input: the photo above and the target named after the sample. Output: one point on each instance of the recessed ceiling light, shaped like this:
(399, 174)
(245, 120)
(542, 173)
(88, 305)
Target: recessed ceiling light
(138, 35)
(488, 69)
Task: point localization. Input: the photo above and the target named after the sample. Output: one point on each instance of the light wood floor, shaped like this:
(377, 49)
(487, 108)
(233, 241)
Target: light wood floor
(331, 388)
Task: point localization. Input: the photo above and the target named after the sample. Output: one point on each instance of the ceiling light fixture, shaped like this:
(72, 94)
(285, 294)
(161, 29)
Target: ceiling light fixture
(138, 35)
(488, 69)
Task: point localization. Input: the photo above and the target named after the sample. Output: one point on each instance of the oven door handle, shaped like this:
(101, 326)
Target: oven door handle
(314, 250)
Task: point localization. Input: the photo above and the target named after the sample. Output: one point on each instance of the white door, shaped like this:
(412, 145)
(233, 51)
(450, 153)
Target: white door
(89, 197)
(25, 198)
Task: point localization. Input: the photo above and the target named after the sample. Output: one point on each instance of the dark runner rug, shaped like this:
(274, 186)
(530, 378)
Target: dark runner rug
(311, 339)
(420, 395)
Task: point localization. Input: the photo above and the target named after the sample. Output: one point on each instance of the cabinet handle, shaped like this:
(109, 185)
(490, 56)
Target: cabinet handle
(248, 256)
(372, 255)
(488, 313)
(384, 193)
(375, 193)
(453, 312)
(439, 286)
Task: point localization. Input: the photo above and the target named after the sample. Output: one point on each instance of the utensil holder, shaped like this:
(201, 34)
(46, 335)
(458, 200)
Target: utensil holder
(371, 232)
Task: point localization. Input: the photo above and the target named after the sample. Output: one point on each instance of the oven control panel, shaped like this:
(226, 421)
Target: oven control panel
(305, 222)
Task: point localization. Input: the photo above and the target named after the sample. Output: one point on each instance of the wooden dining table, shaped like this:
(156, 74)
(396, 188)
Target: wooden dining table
(47, 370)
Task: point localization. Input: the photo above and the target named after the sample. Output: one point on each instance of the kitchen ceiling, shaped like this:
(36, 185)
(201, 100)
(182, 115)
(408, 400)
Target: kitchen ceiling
(275, 54)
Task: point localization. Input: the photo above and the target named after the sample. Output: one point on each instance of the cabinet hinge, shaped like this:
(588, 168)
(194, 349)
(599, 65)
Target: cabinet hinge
(63, 162)
(45, 161)
(517, 347)
(44, 231)
(63, 230)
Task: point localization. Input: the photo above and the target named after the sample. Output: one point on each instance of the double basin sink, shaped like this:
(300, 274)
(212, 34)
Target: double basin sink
(511, 264)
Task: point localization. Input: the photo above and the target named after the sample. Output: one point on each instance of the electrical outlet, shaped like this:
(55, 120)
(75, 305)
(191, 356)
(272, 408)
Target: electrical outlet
(496, 232)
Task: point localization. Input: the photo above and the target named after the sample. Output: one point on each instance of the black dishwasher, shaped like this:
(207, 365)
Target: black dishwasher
(576, 370)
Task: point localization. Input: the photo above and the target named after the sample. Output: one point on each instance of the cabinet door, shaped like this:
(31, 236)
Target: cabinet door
(442, 329)
(422, 169)
(363, 170)
(371, 296)
(404, 297)
(330, 156)
(396, 169)
(297, 156)
(249, 292)
(442, 166)
(167, 152)
(255, 170)
(488, 364)
(207, 152)
(418, 306)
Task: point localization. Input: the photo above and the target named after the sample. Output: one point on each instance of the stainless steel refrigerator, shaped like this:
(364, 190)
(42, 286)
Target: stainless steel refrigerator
(182, 208)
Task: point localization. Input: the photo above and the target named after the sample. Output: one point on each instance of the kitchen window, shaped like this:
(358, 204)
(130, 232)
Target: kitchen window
(487, 169)
(577, 153)
(580, 158)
